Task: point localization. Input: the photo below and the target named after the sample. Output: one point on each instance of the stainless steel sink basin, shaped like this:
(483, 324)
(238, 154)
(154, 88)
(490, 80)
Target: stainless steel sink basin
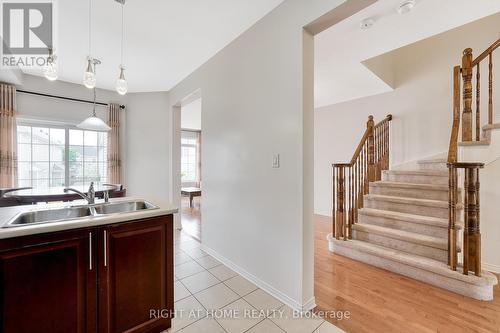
(49, 215)
(123, 207)
(77, 212)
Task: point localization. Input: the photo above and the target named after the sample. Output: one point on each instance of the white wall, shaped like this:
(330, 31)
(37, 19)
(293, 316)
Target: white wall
(147, 149)
(256, 217)
(421, 105)
(191, 115)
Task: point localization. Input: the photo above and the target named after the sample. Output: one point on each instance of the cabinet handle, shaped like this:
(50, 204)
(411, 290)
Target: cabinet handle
(105, 248)
(90, 251)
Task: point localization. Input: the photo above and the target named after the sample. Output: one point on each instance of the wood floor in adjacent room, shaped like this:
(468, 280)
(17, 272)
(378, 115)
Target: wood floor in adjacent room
(191, 217)
(382, 301)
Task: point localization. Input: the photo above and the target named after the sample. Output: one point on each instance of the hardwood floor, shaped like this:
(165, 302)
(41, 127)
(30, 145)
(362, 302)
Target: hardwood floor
(382, 301)
(191, 217)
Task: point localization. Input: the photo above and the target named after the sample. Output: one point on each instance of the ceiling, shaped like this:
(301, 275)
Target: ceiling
(165, 40)
(340, 51)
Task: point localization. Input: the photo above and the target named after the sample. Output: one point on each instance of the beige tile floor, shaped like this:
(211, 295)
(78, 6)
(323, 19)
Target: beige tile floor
(205, 290)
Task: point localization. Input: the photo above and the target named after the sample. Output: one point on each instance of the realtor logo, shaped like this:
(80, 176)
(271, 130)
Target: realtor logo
(27, 32)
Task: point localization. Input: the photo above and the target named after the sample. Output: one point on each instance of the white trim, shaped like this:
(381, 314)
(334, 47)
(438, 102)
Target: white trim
(491, 268)
(307, 306)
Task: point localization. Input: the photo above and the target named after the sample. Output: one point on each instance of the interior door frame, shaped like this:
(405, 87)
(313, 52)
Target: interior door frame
(176, 152)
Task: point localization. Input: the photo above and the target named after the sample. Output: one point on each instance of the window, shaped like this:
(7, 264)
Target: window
(60, 156)
(190, 156)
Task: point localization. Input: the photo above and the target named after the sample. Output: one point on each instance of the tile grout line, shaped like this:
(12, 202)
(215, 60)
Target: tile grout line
(239, 297)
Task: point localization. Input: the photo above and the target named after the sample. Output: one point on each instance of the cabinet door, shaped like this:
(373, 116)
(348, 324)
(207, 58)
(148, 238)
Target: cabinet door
(48, 284)
(136, 275)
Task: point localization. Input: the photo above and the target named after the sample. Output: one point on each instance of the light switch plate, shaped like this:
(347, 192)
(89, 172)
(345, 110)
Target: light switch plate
(276, 160)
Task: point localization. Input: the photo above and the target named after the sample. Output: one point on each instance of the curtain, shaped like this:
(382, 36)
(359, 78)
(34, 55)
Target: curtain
(8, 136)
(114, 159)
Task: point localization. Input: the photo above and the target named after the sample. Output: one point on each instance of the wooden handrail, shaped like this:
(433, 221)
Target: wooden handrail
(364, 139)
(351, 180)
(463, 118)
(486, 53)
(453, 149)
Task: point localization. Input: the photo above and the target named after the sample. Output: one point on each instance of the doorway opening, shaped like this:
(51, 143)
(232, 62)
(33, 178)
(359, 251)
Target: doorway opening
(190, 167)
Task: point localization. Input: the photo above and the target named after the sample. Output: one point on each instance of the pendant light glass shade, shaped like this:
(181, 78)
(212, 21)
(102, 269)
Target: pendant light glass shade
(121, 83)
(89, 79)
(94, 123)
(50, 69)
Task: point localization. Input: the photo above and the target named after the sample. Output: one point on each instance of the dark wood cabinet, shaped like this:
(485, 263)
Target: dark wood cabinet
(136, 276)
(104, 279)
(48, 284)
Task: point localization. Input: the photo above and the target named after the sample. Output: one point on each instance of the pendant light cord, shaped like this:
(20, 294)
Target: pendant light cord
(93, 112)
(121, 57)
(90, 28)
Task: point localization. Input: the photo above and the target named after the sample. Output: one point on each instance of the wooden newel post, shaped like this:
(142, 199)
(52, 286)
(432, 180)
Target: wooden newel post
(472, 233)
(340, 211)
(371, 151)
(467, 95)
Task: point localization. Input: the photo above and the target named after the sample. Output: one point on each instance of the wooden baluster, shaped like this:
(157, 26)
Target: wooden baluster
(371, 151)
(490, 91)
(356, 190)
(452, 215)
(467, 95)
(377, 151)
(360, 182)
(351, 206)
(478, 103)
(334, 200)
(388, 142)
(365, 170)
(387, 134)
(351, 201)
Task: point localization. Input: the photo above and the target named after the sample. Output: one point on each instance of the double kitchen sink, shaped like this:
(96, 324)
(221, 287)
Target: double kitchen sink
(77, 212)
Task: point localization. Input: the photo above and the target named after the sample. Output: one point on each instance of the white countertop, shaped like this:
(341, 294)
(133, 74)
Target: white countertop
(6, 213)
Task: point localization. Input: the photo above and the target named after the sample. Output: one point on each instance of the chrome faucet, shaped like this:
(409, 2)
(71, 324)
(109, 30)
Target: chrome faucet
(106, 192)
(90, 197)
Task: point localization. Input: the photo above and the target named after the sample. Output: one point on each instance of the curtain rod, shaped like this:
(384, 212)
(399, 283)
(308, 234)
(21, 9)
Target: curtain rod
(65, 98)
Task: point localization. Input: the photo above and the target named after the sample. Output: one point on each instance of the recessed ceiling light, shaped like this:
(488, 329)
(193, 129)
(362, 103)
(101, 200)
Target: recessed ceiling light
(406, 6)
(367, 23)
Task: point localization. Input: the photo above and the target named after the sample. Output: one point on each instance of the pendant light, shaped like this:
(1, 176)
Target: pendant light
(94, 123)
(50, 69)
(89, 79)
(121, 83)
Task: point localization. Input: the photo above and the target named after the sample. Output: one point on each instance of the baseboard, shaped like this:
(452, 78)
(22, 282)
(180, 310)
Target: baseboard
(307, 306)
(491, 268)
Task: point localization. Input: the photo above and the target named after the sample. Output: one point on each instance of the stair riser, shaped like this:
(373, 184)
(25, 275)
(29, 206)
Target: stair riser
(400, 245)
(484, 293)
(410, 193)
(415, 179)
(433, 166)
(407, 208)
(418, 228)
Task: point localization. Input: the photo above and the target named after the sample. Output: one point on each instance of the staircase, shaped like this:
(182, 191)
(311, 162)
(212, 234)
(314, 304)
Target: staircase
(420, 223)
(403, 227)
